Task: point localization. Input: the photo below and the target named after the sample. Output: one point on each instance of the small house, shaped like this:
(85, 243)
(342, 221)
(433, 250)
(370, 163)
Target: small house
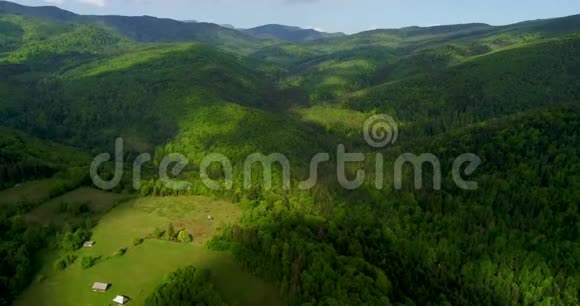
(121, 300)
(88, 244)
(100, 287)
(209, 218)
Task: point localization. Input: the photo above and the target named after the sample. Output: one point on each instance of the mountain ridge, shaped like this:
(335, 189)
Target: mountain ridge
(289, 33)
(144, 28)
(185, 30)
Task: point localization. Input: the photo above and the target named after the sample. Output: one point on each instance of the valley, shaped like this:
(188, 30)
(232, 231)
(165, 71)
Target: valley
(71, 84)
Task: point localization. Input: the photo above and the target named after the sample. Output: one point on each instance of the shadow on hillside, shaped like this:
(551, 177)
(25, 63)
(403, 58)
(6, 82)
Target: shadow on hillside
(146, 102)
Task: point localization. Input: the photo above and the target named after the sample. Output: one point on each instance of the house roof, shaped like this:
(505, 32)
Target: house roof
(100, 286)
(121, 299)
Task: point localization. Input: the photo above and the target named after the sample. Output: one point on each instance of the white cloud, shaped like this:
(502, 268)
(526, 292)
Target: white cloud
(319, 29)
(98, 3)
(56, 2)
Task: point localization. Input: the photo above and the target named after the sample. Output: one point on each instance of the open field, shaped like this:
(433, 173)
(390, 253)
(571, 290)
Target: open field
(138, 272)
(97, 201)
(143, 267)
(344, 122)
(31, 191)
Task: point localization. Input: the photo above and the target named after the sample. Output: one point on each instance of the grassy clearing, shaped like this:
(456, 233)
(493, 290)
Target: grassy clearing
(32, 191)
(189, 213)
(344, 122)
(98, 201)
(142, 267)
(138, 272)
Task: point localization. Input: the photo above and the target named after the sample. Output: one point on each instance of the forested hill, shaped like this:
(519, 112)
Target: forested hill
(287, 33)
(70, 85)
(47, 12)
(145, 28)
(152, 29)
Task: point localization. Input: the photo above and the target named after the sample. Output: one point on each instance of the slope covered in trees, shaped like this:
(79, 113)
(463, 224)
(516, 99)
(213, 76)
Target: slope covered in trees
(334, 68)
(288, 33)
(188, 286)
(512, 242)
(485, 87)
(145, 28)
(507, 94)
(23, 158)
(145, 93)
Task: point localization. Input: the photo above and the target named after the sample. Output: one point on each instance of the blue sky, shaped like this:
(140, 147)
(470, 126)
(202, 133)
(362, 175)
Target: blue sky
(329, 15)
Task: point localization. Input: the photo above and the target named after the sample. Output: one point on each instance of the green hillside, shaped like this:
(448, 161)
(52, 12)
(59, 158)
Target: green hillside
(71, 84)
(333, 68)
(24, 158)
(481, 88)
(145, 28)
(132, 92)
(288, 33)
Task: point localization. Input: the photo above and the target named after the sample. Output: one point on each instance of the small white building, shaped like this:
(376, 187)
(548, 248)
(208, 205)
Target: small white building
(100, 287)
(121, 300)
(88, 244)
(209, 218)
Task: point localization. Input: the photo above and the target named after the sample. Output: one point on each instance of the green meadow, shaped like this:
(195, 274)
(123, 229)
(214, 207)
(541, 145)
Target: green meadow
(142, 267)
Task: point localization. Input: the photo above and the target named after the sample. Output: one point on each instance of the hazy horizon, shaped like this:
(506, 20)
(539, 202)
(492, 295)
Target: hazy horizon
(346, 16)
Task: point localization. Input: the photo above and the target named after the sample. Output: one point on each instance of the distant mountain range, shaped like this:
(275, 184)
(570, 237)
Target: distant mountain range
(152, 29)
(141, 28)
(289, 33)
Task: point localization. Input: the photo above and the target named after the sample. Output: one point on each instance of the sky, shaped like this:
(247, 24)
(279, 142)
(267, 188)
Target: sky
(348, 16)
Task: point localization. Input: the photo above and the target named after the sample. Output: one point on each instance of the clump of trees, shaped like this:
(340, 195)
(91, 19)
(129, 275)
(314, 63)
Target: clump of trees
(121, 252)
(73, 240)
(297, 254)
(88, 262)
(187, 286)
(184, 237)
(18, 244)
(170, 234)
(66, 261)
(138, 241)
